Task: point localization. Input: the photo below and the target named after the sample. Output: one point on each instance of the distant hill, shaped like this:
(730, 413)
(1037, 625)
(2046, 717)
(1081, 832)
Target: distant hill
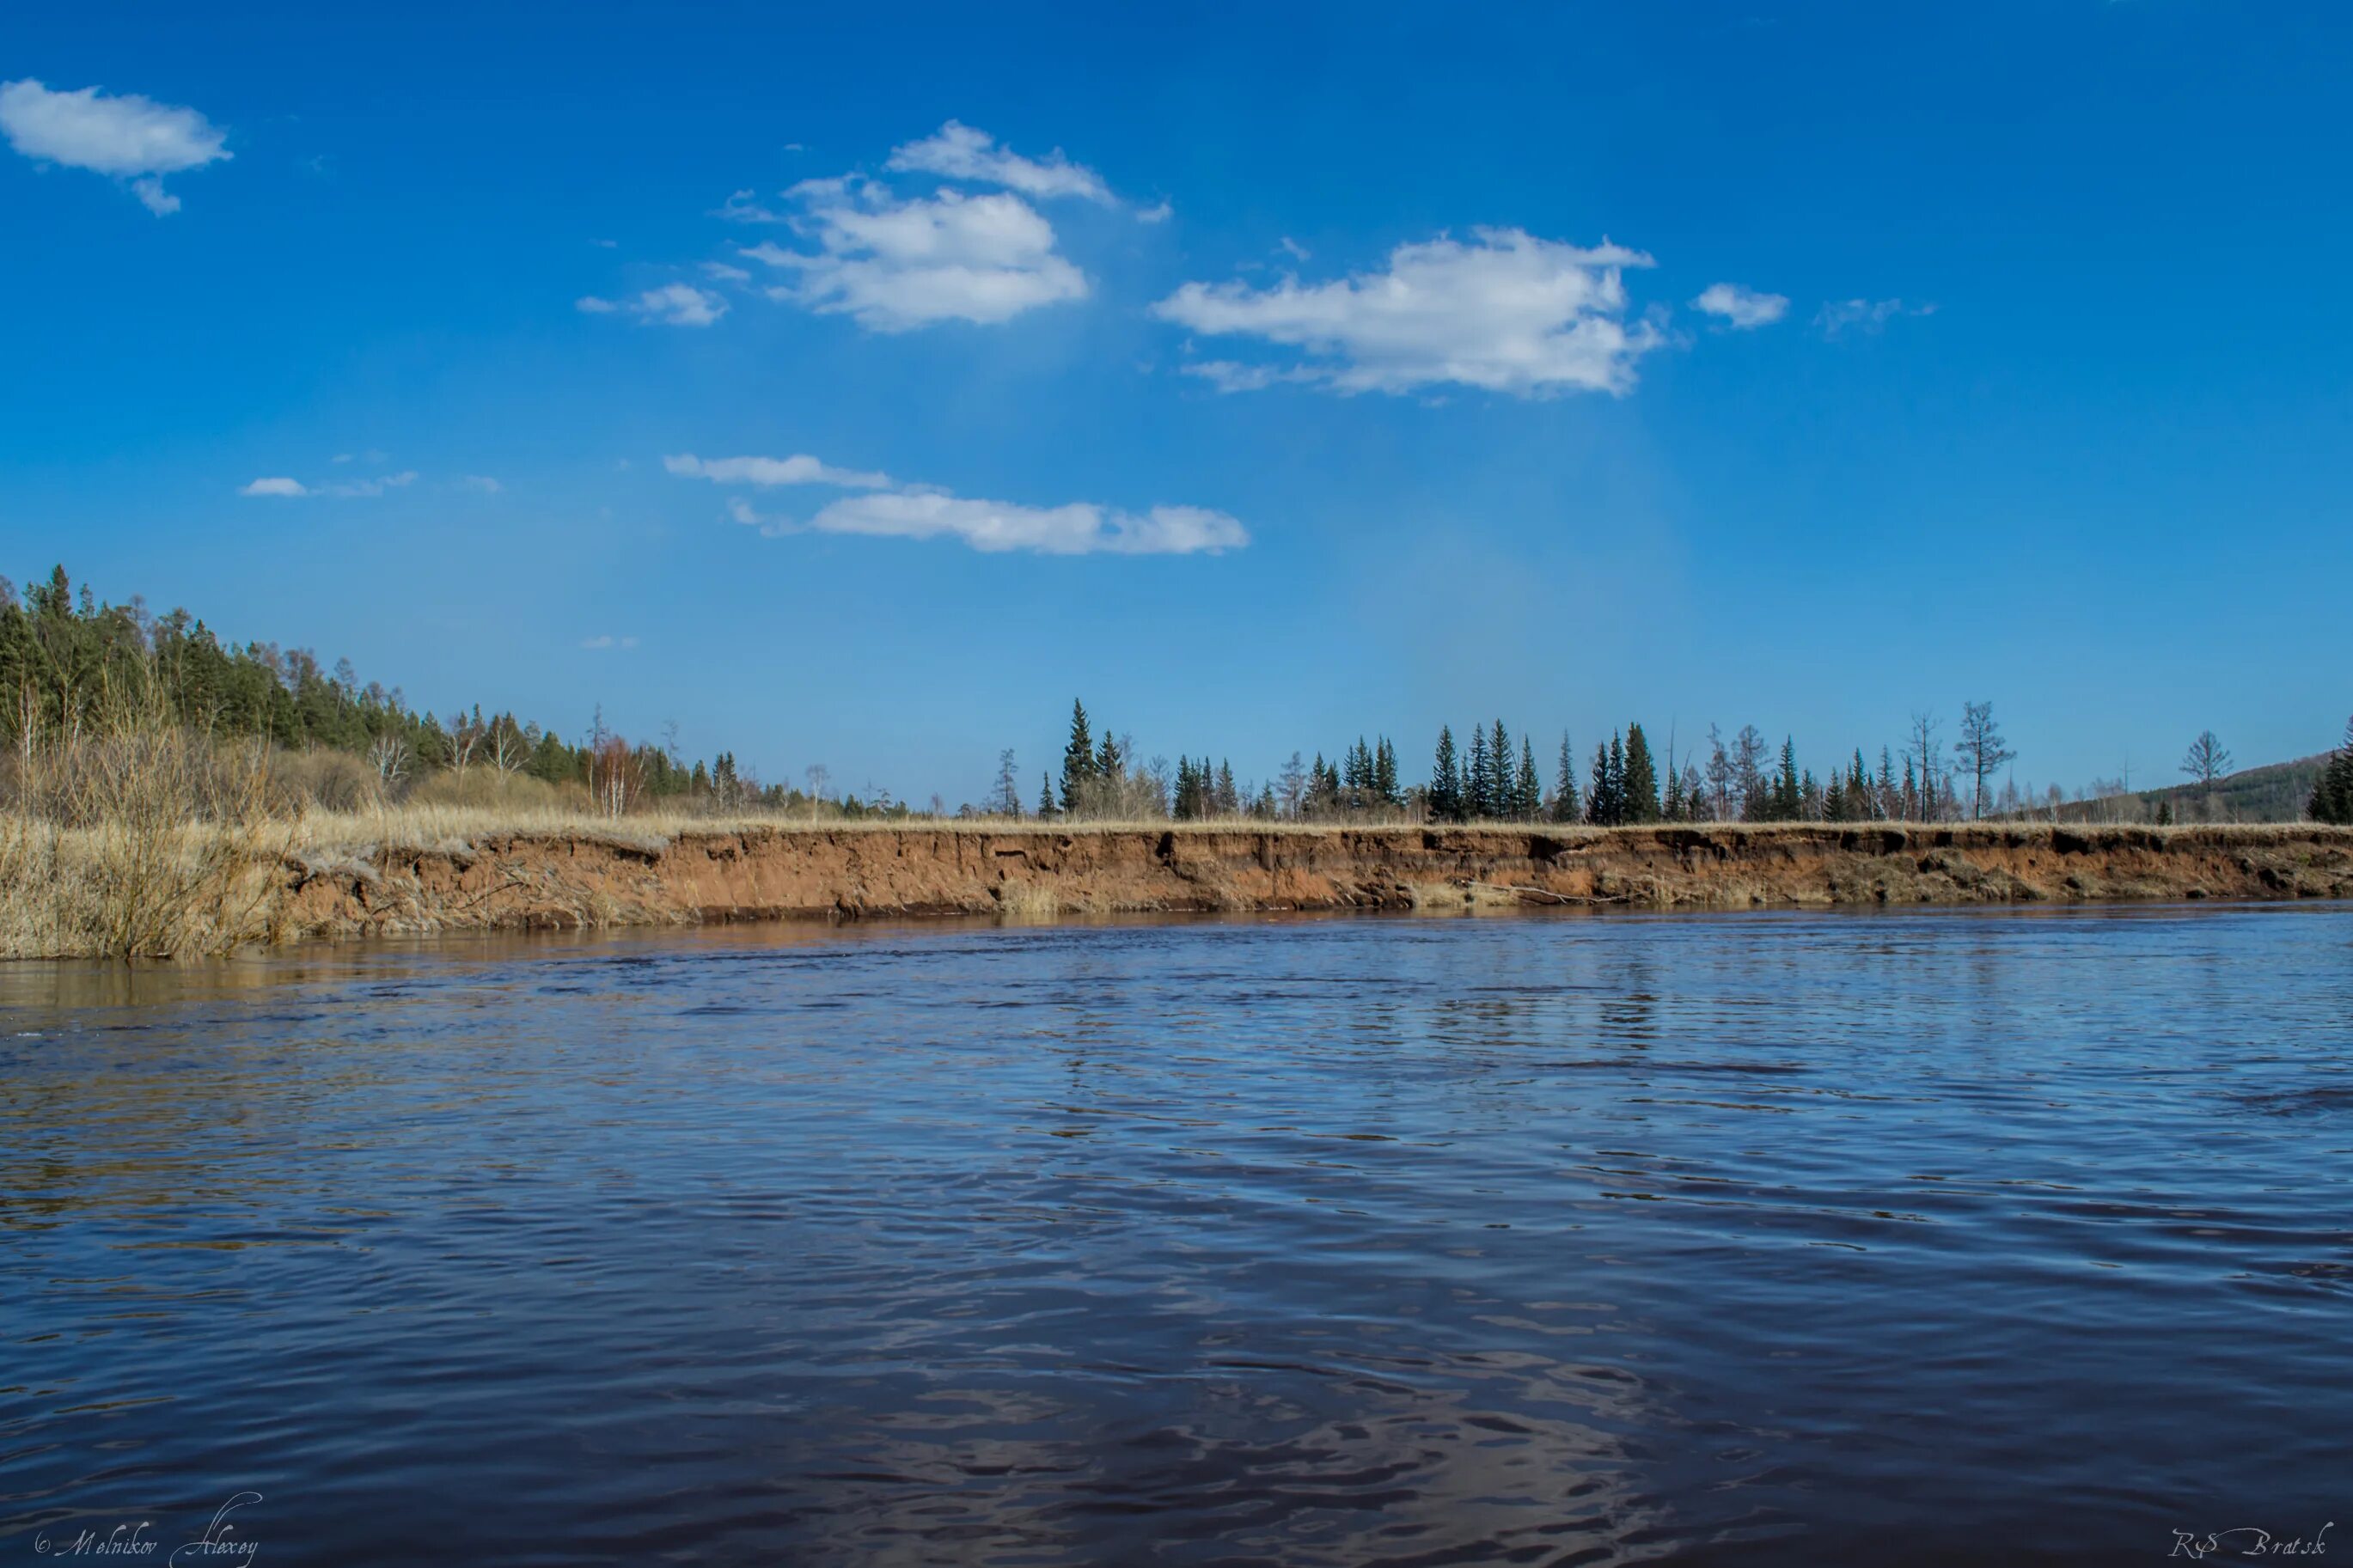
(2277, 792)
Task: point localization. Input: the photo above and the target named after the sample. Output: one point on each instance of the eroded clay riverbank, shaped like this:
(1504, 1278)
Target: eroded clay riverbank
(525, 881)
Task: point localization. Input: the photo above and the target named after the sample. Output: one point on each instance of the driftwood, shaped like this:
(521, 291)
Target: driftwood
(1548, 894)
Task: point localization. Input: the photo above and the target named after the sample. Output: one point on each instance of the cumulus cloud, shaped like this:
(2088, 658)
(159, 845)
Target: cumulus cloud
(124, 135)
(277, 484)
(885, 509)
(958, 151)
(671, 305)
(1741, 308)
(797, 469)
(1507, 313)
(1840, 316)
(893, 265)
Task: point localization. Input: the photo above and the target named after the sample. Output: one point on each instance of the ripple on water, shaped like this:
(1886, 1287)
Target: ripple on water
(1785, 1238)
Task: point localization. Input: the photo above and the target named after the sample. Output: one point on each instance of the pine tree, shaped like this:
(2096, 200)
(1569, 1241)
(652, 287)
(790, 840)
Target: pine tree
(1566, 806)
(1077, 759)
(1641, 778)
(1445, 781)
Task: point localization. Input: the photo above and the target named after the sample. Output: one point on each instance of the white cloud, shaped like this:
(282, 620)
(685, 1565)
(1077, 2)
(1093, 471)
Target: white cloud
(1509, 313)
(1157, 213)
(743, 512)
(960, 152)
(671, 305)
(1229, 375)
(1293, 249)
(894, 264)
(1742, 308)
(279, 485)
(375, 486)
(744, 206)
(725, 273)
(1840, 316)
(125, 136)
(481, 484)
(607, 640)
(1077, 529)
(926, 511)
(800, 468)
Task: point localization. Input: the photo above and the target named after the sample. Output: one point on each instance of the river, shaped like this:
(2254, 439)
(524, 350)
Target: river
(1939, 1236)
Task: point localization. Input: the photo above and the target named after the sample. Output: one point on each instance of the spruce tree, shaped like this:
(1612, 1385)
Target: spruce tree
(1384, 774)
(2332, 796)
(1077, 759)
(1229, 803)
(1479, 803)
(1045, 798)
(1445, 781)
(1499, 770)
(1604, 806)
(1641, 778)
(1788, 794)
(1566, 806)
(1527, 793)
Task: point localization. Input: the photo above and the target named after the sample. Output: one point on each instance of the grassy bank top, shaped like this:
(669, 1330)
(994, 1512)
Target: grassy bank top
(434, 828)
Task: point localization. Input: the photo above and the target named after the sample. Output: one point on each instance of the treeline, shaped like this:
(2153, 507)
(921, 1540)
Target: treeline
(72, 665)
(1494, 777)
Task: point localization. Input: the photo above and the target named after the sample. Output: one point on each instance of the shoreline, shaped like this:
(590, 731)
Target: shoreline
(589, 878)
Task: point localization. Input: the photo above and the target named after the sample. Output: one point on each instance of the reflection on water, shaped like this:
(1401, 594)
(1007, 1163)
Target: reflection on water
(1965, 1236)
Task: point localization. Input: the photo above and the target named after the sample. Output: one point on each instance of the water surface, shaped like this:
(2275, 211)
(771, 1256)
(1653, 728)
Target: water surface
(1976, 1235)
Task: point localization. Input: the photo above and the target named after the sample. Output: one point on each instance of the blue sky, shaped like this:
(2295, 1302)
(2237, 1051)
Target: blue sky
(1263, 379)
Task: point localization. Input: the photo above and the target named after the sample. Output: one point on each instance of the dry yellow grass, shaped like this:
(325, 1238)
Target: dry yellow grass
(138, 841)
